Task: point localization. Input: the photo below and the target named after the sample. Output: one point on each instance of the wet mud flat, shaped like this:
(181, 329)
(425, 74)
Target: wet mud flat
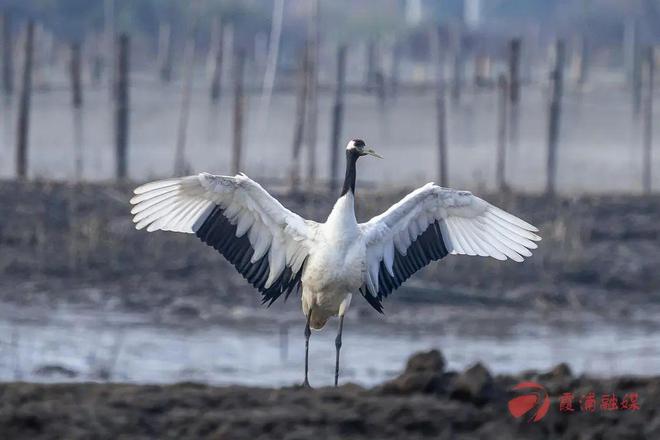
(424, 401)
(75, 244)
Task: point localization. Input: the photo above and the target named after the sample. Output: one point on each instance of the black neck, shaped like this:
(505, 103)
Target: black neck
(349, 179)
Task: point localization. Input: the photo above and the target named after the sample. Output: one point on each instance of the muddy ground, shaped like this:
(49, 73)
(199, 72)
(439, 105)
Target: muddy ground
(76, 244)
(425, 401)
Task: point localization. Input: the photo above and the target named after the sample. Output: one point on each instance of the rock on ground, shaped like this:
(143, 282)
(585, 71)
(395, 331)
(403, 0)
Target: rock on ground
(425, 401)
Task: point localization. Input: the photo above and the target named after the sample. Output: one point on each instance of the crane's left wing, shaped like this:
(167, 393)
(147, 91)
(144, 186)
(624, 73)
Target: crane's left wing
(430, 223)
(266, 243)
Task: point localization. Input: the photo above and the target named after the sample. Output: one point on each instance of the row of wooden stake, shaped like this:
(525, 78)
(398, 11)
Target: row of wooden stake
(307, 110)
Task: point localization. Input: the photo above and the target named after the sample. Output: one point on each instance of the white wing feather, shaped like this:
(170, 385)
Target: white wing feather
(469, 226)
(182, 205)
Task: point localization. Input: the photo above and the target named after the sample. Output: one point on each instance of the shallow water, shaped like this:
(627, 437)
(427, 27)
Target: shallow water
(108, 346)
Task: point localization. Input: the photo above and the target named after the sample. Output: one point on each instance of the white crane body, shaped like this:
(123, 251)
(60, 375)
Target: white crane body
(335, 267)
(279, 252)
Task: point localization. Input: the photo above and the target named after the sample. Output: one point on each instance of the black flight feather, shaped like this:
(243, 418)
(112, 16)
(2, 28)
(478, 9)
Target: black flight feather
(218, 232)
(428, 246)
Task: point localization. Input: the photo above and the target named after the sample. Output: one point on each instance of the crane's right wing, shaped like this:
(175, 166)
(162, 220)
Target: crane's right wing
(430, 223)
(266, 243)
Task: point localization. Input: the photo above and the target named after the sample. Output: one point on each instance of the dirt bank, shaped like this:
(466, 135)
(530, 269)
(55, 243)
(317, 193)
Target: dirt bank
(424, 402)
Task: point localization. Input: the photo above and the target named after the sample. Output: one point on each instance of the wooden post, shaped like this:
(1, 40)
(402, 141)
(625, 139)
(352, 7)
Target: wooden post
(228, 52)
(637, 87)
(583, 59)
(554, 116)
(396, 67)
(271, 63)
(96, 68)
(457, 62)
(237, 143)
(647, 178)
(514, 70)
(482, 71)
(630, 48)
(110, 32)
(76, 75)
(122, 106)
(313, 78)
(259, 54)
(7, 55)
(284, 341)
(337, 119)
(301, 111)
(369, 79)
(633, 63)
(75, 71)
(514, 90)
(164, 58)
(48, 51)
(381, 92)
(216, 73)
(186, 93)
(438, 58)
(214, 39)
(78, 143)
(24, 105)
(375, 79)
(502, 110)
(74, 224)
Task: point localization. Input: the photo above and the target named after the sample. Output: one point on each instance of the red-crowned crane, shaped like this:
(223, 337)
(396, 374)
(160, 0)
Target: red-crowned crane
(280, 252)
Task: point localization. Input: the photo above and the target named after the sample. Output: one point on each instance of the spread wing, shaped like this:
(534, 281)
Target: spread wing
(430, 223)
(266, 243)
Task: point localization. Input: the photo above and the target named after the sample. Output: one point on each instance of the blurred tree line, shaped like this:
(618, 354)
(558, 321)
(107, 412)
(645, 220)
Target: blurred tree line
(72, 19)
(340, 19)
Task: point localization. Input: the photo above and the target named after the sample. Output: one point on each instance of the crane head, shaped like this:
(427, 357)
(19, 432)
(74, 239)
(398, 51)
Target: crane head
(357, 146)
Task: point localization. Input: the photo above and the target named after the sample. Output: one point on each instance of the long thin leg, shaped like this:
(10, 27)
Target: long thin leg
(308, 333)
(338, 346)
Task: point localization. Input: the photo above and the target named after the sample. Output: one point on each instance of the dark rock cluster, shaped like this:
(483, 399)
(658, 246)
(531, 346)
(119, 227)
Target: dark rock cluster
(425, 401)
